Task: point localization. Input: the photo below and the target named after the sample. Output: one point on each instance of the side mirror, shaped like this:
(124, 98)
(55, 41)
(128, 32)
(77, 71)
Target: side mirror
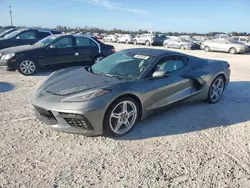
(52, 46)
(159, 74)
(18, 37)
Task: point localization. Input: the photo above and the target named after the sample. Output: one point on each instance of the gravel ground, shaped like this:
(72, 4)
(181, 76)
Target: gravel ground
(192, 145)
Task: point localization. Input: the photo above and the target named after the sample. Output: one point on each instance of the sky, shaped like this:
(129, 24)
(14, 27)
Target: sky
(158, 15)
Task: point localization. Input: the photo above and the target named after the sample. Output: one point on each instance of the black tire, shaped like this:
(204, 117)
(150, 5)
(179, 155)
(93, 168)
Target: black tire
(32, 63)
(107, 130)
(232, 50)
(207, 49)
(209, 98)
(147, 43)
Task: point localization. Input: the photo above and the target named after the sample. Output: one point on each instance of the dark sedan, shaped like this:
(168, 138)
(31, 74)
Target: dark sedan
(24, 36)
(55, 49)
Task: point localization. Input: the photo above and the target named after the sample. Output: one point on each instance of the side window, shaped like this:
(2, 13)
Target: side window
(27, 35)
(82, 41)
(172, 63)
(65, 42)
(42, 34)
(243, 40)
(221, 41)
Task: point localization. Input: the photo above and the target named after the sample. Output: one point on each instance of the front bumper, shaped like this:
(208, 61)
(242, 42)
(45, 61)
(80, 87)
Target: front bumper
(241, 50)
(11, 66)
(84, 118)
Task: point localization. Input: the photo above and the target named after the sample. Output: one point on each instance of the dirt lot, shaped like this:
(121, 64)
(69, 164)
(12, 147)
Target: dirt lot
(192, 145)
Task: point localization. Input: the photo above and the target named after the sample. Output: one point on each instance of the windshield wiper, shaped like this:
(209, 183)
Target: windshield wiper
(105, 74)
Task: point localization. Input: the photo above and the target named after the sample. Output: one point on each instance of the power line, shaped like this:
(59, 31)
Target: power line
(10, 15)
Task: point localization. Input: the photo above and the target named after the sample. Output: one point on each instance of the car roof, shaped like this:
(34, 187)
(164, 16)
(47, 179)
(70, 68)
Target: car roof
(152, 52)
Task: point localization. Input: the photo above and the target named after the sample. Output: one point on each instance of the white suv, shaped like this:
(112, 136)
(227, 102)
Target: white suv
(127, 38)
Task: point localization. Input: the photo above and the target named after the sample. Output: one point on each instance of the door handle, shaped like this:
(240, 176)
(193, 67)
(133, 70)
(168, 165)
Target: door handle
(76, 53)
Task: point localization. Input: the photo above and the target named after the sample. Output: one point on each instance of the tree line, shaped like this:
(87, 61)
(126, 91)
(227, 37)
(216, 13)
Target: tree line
(115, 30)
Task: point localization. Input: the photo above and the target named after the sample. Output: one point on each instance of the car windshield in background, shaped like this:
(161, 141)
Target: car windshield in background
(4, 32)
(123, 65)
(12, 34)
(46, 41)
(184, 40)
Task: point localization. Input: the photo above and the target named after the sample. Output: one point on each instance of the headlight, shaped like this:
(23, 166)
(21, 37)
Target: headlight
(8, 56)
(86, 96)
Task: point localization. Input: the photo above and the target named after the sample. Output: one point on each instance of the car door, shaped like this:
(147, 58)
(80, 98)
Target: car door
(61, 51)
(25, 38)
(86, 50)
(223, 45)
(214, 45)
(141, 39)
(164, 91)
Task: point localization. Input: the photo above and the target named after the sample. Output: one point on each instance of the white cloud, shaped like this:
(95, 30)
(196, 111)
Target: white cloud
(112, 5)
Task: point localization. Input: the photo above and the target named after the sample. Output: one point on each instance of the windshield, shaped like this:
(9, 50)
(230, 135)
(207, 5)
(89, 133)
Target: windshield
(184, 40)
(12, 34)
(4, 32)
(124, 65)
(46, 41)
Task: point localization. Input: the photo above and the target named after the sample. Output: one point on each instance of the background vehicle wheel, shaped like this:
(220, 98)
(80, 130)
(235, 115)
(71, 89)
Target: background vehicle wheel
(147, 43)
(166, 45)
(121, 117)
(207, 49)
(27, 67)
(232, 51)
(135, 42)
(216, 89)
(182, 47)
(97, 59)
(126, 42)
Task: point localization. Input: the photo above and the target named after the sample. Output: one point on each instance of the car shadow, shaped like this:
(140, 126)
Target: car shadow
(233, 108)
(6, 87)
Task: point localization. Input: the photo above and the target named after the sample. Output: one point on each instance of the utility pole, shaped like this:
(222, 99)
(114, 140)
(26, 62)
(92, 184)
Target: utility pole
(10, 15)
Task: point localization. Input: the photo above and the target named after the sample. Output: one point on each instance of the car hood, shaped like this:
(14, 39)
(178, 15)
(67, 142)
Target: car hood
(19, 49)
(76, 79)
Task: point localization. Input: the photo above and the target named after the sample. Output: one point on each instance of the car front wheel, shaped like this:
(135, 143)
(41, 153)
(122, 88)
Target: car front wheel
(232, 51)
(121, 116)
(27, 67)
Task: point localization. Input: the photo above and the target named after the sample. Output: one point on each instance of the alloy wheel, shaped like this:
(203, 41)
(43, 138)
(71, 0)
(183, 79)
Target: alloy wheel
(27, 67)
(123, 117)
(217, 89)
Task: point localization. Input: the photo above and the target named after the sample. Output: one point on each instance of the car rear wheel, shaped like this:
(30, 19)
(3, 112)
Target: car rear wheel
(27, 67)
(135, 42)
(182, 47)
(121, 117)
(126, 41)
(147, 43)
(216, 90)
(207, 49)
(232, 51)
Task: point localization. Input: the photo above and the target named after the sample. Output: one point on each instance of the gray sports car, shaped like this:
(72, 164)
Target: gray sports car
(130, 85)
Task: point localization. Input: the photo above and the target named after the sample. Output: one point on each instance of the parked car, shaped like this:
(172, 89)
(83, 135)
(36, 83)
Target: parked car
(7, 31)
(125, 87)
(127, 38)
(180, 43)
(110, 38)
(224, 45)
(148, 39)
(89, 34)
(195, 41)
(244, 40)
(24, 36)
(55, 49)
